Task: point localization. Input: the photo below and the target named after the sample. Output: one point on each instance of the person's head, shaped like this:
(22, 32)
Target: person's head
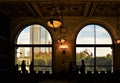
(71, 62)
(23, 61)
(63, 61)
(82, 61)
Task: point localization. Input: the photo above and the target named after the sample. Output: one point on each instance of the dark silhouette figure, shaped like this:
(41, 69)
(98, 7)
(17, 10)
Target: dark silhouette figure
(31, 67)
(16, 68)
(82, 68)
(70, 71)
(23, 67)
(71, 68)
(63, 67)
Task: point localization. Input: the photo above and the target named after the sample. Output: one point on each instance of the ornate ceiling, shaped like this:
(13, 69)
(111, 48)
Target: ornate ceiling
(43, 8)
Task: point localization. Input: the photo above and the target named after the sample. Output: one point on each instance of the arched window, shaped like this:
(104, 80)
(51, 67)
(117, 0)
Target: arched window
(94, 46)
(34, 44)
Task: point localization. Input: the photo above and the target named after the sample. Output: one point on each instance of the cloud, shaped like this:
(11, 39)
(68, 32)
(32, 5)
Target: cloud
(24, 38)
(91, 41)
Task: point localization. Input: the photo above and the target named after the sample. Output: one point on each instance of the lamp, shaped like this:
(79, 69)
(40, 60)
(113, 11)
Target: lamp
(63, 47)
(56, 20)
(117, 41)
(54, 23)
(61, 41)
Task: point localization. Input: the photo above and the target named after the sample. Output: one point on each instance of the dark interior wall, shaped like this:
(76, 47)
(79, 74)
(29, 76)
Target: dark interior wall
(4, 42)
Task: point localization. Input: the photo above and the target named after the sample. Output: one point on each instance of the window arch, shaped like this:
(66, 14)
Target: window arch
(34, 44)
(94, 46)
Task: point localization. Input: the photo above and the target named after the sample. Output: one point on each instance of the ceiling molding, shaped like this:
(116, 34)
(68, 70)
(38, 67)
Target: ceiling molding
(43, 8)
(58, 0)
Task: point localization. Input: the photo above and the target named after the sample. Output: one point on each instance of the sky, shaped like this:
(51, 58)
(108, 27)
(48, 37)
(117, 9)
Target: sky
(24, 37)
(94, 35)
(87, 35)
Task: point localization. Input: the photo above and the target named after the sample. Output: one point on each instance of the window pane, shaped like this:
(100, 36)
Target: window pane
(42, 58)
(86, 53)
(103, 58)
(24, 53)
(102, 36)
(93, 34)
(86, 35)
(43, 69)
(24, 37)
(34, 34)
(39, 35)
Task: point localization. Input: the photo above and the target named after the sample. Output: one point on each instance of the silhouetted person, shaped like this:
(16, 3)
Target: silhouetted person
(82, 68)
(63, 67)
(71, 68)
(16, 68)
(23, 67)
(31, 67)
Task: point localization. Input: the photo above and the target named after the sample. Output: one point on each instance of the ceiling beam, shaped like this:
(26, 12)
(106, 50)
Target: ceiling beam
(59, 1)
(31, 9)
(87, 8)
(92, 9)
(36, 8)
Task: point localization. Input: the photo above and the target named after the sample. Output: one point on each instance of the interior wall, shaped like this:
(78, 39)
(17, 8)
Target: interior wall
(4, 43)
(73, 25)
(116, 59)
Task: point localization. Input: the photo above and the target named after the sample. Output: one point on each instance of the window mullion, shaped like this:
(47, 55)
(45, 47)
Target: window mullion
(94, 58)
(33, 54)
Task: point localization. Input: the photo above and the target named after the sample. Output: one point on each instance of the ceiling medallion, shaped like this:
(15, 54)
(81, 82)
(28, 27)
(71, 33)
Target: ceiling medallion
(64, 30)
(56, 20)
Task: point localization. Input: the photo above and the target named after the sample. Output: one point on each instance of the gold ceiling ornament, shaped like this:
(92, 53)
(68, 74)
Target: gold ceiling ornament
(54, 23)
(56, 20)
(64, 30)
(117, 41)
(61, 40)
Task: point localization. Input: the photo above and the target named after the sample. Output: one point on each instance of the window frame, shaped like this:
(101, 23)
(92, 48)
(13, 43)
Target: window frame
(94, 46)
(32, 46)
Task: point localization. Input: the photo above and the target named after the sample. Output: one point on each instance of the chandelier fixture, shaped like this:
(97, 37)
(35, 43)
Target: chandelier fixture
(56, 20)
(61, 40)
(54, 23)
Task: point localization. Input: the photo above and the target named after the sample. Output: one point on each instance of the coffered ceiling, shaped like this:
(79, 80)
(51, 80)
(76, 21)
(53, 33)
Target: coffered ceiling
(43, 8)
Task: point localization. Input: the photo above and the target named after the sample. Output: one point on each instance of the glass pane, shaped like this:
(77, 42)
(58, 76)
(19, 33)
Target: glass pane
(86, 54)
(24, 53)
(103, 58)
(89, 69)
(43, 69)
(39, 35)
(42, 58)
(102, 36)
(103, 68)
(93, 34)
(24, 37)
(34, 34)
(86, 35)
